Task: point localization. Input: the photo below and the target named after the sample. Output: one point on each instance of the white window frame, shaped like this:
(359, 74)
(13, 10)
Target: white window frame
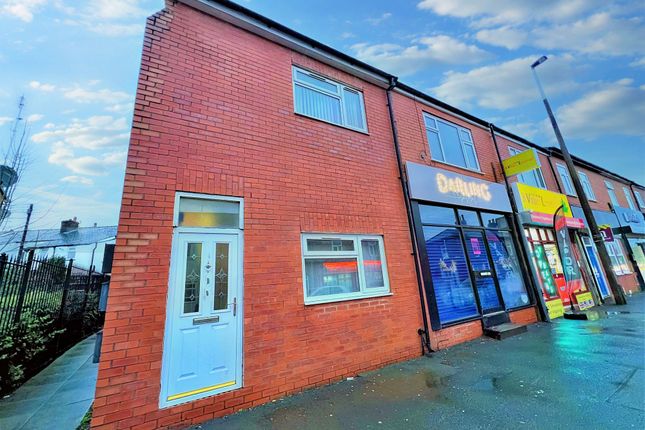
(565, 178)
(462, 142)
(339, 95)
(630, 201)
(616, 254)
(612, 193)
(639, 199)
(537, 173)
(363, 292)
(586, 185)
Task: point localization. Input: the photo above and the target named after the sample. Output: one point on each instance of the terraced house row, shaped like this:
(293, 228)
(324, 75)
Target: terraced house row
(292, 216)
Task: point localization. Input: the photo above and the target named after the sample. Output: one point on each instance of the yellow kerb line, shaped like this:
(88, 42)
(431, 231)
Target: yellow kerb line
(201, 390)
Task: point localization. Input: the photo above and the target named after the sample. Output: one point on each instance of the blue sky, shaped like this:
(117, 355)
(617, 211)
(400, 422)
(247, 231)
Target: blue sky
(77, 64)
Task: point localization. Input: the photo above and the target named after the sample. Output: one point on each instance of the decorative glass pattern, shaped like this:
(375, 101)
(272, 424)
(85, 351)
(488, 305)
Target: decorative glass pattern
(208, 213)
(221, 276)
(193, 279)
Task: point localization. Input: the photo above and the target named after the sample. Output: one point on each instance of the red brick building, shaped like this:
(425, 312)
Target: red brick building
(290, 217)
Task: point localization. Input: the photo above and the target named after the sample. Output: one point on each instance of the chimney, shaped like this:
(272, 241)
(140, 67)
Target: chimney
(69, 225)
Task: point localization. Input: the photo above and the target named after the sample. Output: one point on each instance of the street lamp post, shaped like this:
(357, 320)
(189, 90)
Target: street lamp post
(619, 295)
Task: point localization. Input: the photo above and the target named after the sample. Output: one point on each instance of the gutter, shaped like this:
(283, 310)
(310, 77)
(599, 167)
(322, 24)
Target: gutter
(424, 333)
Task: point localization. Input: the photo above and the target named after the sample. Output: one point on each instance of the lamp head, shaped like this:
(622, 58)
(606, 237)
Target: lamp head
(539, 61)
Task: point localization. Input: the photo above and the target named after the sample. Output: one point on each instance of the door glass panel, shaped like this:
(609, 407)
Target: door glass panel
(372, 266)
(450, 276)
(221, 276)
(480, 265)
(508, 270)
(193, 279)
(208, 213)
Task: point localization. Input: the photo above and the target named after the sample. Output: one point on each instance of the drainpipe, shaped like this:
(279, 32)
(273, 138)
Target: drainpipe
(424, 333)
(519, 229)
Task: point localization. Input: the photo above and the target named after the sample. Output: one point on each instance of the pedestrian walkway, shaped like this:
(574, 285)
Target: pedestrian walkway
(568, 374)
(56, 398)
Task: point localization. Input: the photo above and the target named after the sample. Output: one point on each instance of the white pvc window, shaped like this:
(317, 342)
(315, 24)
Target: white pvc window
(327, 100)
(628, 196)
(567, 183)
(612, 194)
(639, 198)
(617, 257)
(343, 267)
(450, 143)
(586, 185)
(533, 178)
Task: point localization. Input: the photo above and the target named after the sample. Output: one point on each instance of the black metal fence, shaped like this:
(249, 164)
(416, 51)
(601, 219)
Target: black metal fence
(68, 293)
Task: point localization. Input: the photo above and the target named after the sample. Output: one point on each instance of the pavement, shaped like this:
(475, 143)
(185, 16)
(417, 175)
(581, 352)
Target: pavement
(58, 397)
(568, 374)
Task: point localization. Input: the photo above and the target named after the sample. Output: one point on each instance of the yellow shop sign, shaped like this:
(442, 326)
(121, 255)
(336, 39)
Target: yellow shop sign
(522, 162)
(555, 308)
(538, 200)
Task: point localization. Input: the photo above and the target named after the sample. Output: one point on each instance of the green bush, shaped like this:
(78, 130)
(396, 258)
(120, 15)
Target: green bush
(22, 345)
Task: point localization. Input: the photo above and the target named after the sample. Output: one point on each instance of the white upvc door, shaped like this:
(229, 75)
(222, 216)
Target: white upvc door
(202, 346)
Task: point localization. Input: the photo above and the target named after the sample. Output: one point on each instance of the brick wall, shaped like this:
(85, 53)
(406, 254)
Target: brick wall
(214, 114)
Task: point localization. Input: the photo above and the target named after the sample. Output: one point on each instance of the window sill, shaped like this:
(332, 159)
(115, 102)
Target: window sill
(326, 300)
(479, 172)
(358, 130)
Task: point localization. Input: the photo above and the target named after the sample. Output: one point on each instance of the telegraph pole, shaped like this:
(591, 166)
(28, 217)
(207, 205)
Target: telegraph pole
(24, 232)
(619, 295)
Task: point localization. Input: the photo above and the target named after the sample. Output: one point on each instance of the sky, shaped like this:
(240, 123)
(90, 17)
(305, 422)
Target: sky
(76, 63)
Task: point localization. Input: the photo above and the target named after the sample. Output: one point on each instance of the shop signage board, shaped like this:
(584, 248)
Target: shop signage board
(443, 186)
(585, 300)
(555, 308)
(522, 162)
(607, 233)
(544, 269)
(569, 264)
(547, 220)
(631, 218)
(535, 199)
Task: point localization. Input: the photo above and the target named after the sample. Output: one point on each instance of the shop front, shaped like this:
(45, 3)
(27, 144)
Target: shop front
(467, 248)
(537, 208)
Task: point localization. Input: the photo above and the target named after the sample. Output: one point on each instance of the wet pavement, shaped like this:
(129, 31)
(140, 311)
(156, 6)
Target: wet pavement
(568, 374)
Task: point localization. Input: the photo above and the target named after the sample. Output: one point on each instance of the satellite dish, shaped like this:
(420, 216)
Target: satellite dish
(8, 176)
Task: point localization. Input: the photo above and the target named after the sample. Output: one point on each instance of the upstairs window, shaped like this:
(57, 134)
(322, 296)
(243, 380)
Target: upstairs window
(639, 198)
(628, 196)
(612, 194)
(327, 100)
(586, 185)
(567, 184)
(450, 143)
(533, 178)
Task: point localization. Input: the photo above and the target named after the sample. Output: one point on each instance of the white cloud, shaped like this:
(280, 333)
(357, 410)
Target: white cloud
(82, 180)
(87, 164)
(638, 63)
(380, 19)
(92, 133)
(505, 85)
(82, 95)
(599, 33)
(119, 108)
(109, 29)
(424, 53)
(501, 12)
(35, 117)
(347, 35)
(21, 9)
(507, 37)
(614, 109)
(4, 120)
(41, 86)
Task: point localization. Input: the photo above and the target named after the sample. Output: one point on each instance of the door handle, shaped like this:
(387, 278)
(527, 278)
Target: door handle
(234, 305)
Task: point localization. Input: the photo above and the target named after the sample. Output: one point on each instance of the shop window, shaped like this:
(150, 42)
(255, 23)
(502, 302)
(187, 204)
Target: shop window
(450, 143)
(507, 266)
(343, 267)
(451, 281)
(533, 178)
(495, 221)
(612, 194)
(565, 178)
(586, 185)
(468, 218)
(328, 100)
(618, 260)
(437, 215)
(628, 196)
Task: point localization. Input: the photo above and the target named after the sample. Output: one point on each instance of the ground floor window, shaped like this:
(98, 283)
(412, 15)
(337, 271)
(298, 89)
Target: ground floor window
(472, 262)
(342, 267)
(638, 250)
(617, 257)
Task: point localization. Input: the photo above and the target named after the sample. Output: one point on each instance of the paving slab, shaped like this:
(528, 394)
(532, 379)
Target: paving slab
(56, 398)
